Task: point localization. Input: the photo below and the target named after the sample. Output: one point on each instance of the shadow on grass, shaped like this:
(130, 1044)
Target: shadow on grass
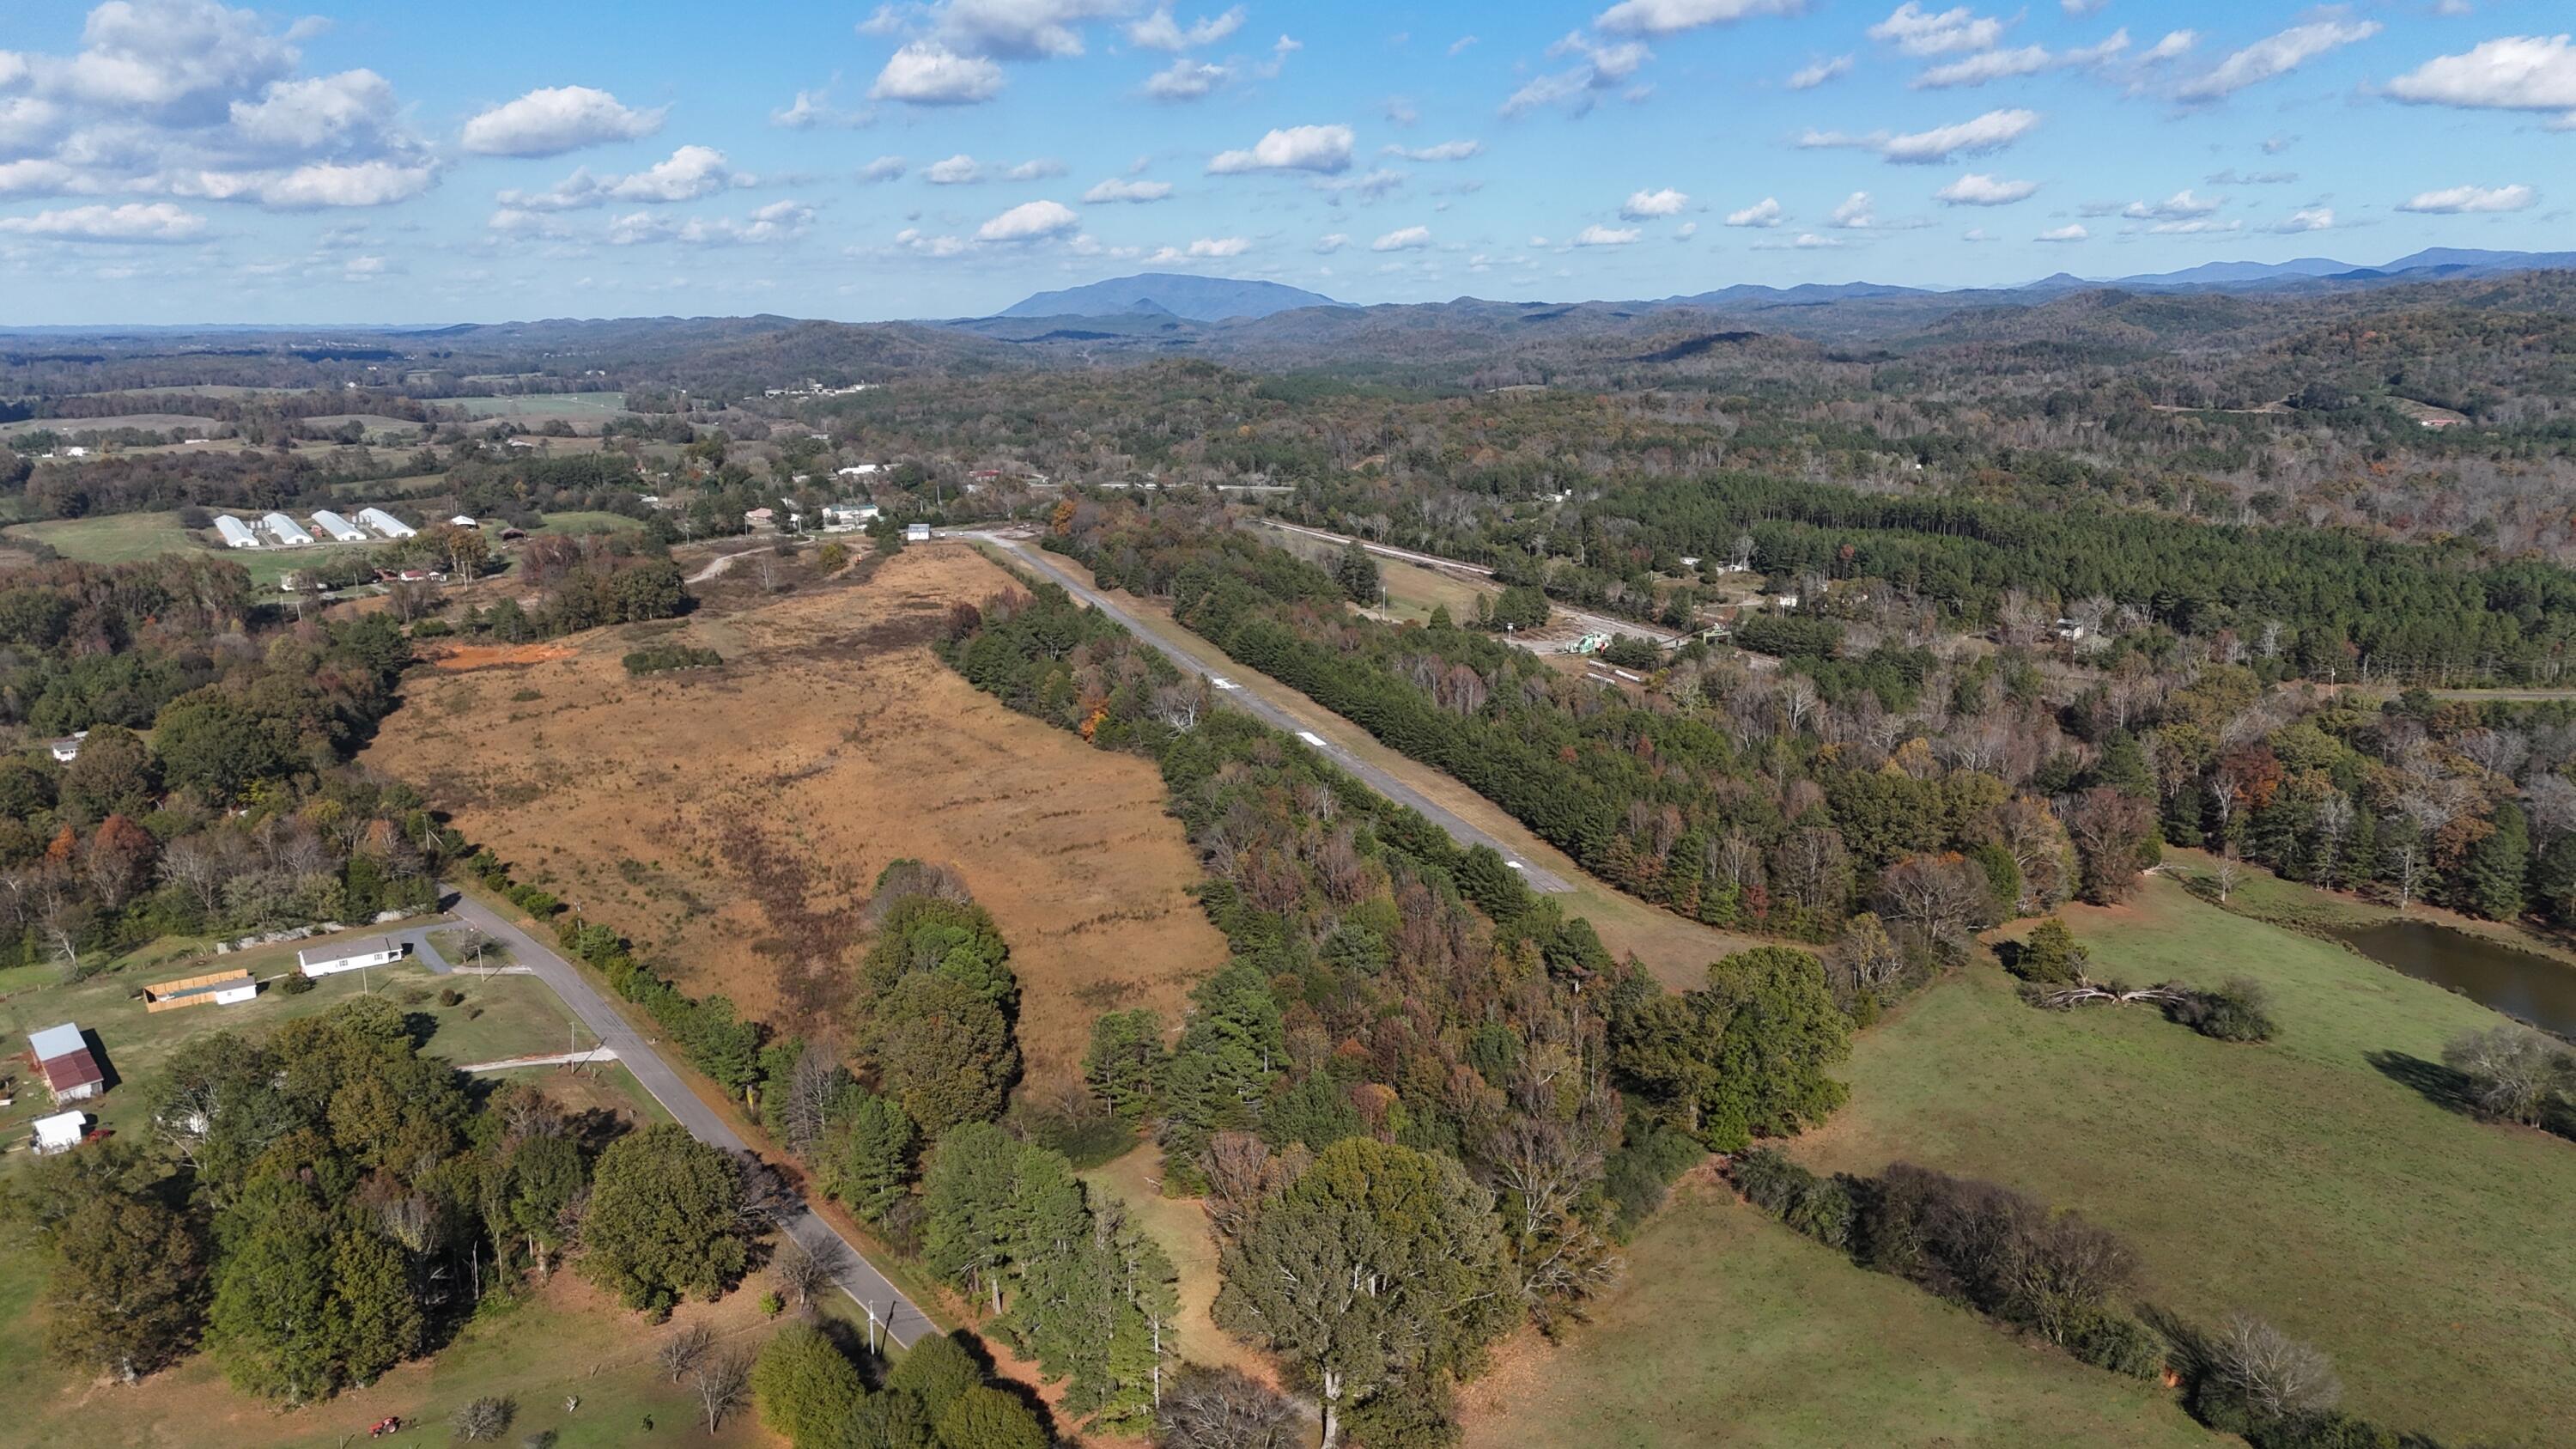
(2450, 1090)
(2436, 1083)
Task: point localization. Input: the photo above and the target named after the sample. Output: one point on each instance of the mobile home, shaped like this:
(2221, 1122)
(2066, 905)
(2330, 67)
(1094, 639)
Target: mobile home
(348, 955)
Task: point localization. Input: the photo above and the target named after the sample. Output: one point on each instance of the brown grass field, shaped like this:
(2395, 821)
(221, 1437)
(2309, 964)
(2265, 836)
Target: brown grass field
(732, 820)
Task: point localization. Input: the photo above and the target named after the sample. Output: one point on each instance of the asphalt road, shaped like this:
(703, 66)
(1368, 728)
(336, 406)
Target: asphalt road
(1538, 877)
(903, 1321)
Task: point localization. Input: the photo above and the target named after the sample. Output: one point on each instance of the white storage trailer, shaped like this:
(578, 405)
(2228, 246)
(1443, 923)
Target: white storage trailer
(338, 527)
(385, 523)
(236, 534)
(285, 530)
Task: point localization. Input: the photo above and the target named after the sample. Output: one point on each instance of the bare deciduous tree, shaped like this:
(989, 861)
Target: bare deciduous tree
(682, 1350)
(2277, 1376)
(2513, 1072)
(1225, 1408)
(800, 1271)
(723, 1382)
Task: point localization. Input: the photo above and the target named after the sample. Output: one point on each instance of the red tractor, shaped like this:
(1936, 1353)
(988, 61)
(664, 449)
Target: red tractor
(389, 1424)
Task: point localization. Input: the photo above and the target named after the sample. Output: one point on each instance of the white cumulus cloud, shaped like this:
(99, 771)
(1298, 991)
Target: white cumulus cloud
(1764, 213)
(1916, 31)
(555, 119)
(1647, 205)
(2071, 232)
(1597, 235)
(1029, 221)
(2276, 55)
(157, 221)
(1990, 132)
(1445, 151)
(1978, 189)
(2457, 200)
(2179, 206)
(1185, 80)
(1291, 148)
(1159, 31)
(1121, 189)
(1809, 77)
(2513, 73)
(359, 183)
(1206, 248)
(1404, 239)
(925, 73)
(1666, 17)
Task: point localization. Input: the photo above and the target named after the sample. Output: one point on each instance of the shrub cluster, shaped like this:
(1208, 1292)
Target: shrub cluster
(660, 657)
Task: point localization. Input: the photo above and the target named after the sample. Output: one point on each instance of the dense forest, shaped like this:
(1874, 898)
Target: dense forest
(1939, 789)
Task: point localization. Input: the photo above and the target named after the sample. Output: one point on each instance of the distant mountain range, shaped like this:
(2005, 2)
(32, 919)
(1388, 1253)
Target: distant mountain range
(1171, 294)
(1141, 302)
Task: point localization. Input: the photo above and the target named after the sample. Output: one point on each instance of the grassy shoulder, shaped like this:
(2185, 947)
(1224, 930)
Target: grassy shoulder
(1730, 1329)
(2307, 1181)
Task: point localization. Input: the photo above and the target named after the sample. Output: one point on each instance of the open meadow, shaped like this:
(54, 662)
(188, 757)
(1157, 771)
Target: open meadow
(1731, 1329)
(141, 422)
(126, 537)
(571, 407)
(732, 820)
(2323, 1181)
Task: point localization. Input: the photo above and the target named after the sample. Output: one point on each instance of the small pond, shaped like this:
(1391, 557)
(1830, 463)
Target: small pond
(2523, 984)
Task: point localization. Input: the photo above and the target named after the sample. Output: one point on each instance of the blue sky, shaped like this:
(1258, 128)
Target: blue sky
(175, 161)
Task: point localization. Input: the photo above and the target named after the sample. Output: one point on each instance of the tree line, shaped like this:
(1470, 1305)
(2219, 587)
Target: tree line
(1422, 1105)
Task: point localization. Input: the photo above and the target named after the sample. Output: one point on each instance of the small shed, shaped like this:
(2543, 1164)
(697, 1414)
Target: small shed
(916, 533)
(218, 988)
(62, 1057)
(68, 748)
(60, 1133)
(348, 955)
